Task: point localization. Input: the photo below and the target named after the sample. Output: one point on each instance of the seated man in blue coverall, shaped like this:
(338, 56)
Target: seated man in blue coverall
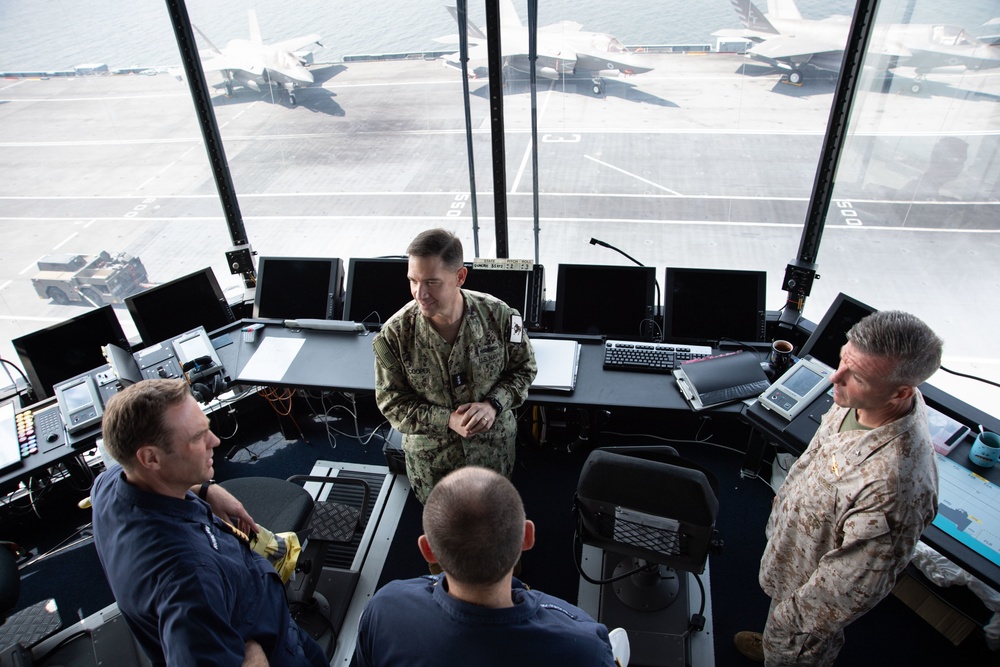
(476, 613)
(188, 584)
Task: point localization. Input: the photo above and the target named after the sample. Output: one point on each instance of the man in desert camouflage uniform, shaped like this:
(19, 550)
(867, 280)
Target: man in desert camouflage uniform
(450, 367)
(845, 522)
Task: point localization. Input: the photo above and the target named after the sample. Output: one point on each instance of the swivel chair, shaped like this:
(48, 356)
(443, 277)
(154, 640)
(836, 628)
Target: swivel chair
(652, 513)
(335, 518)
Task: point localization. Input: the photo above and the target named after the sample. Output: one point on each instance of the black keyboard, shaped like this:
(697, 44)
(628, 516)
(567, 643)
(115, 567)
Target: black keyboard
(622, 355)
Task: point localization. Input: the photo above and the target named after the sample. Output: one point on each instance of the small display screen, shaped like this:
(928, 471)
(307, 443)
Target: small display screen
(801, 381)
(77, 397)
(10, 451)
(192, 348)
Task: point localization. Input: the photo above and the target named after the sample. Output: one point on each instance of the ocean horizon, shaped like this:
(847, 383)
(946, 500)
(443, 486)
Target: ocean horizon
(50, 35)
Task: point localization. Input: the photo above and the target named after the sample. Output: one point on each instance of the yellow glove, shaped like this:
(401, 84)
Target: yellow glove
(280, 549)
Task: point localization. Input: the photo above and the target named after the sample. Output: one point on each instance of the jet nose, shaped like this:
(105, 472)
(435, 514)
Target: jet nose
(633, 64)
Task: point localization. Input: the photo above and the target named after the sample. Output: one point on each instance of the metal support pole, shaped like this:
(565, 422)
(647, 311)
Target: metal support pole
(532, 60)
(210, 132)
(495, 61)
(463, 50)
(799, 273)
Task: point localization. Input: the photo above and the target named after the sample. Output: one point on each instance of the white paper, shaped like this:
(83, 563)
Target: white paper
(557, 363)
(271, 360)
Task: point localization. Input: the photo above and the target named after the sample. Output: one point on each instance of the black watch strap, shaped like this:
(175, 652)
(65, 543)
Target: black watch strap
(495, 403)
(203, 491)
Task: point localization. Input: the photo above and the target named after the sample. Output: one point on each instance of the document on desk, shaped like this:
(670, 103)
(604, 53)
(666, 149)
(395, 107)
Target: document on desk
(271, 360)
(558, 361)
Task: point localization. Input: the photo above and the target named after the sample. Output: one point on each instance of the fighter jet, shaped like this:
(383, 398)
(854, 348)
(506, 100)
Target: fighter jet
(783, 39)
(564, 50)
(255, 65)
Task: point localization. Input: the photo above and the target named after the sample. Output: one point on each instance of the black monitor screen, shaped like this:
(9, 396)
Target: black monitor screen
(170, 309)
(510, 286)
(707, 305)
(69, 348)
(615, 301)
(376, 289)
(831, 333)
(298, 287)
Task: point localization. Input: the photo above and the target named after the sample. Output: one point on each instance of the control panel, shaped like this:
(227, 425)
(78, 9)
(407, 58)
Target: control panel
(158, 361)
(40, 430)
(795, 390)
(49, 430)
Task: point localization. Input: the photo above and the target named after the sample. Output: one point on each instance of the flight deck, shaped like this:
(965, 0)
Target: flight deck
(674, 164)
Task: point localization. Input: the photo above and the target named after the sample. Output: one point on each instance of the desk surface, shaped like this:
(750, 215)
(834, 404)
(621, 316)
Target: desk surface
(345, 361)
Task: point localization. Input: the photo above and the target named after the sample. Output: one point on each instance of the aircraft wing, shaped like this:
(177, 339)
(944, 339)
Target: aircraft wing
(220, 63)
(296, 43)
(785, 48)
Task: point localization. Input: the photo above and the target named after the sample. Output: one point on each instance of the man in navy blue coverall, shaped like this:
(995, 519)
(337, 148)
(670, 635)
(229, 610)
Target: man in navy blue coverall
(189, 586)
(476, 613)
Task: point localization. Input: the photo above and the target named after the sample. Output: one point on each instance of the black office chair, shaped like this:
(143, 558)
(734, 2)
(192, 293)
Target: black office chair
(285, 506)
(653, 514)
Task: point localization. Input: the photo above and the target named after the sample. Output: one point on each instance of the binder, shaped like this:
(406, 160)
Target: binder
(558, 362)
(722, 379)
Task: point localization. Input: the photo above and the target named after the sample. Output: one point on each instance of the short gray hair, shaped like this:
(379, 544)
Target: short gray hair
(903, 338)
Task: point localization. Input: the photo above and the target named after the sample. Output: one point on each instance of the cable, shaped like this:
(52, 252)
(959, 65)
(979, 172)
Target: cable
(276, 399)
(971, 377)
(601, 582)
(27, 382)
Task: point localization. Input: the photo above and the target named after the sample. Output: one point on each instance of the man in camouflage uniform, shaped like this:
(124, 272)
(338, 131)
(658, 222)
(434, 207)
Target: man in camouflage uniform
(845, 522)
(450, 367)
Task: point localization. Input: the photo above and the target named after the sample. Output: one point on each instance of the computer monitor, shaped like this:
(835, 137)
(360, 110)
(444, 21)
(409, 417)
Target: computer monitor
(614, 301)
(831, 333)
(68, 349)
(298, 287)
(194, 300)
(707, 305)
(376, 289)
(521, 290)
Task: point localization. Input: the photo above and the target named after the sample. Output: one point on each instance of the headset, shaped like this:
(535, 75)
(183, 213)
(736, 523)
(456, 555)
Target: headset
(206, 379)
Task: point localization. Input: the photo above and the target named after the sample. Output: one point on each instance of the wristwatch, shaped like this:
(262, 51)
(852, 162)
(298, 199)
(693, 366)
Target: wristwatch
(492, 400)
(203, 491)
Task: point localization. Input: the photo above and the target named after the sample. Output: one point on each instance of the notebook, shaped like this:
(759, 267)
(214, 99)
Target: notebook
(558, 362)
(721, 379)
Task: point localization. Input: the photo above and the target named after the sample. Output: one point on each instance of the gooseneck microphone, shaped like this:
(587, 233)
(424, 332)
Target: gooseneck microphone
(656, 282)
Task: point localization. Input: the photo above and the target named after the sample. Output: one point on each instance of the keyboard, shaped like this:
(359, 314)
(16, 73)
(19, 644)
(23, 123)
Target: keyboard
(622, 355)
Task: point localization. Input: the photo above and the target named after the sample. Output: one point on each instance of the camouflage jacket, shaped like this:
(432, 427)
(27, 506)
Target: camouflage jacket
(420, 379)
(846, 521)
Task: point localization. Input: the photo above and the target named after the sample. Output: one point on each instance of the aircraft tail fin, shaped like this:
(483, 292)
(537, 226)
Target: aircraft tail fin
(207, 40)
(255, 37)
(783, 9)
(473, 31)
(508, 15)
(751, 17)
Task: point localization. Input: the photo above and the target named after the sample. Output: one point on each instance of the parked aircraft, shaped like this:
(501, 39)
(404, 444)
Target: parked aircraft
(255, 65)
(564, 50)
(783, 39)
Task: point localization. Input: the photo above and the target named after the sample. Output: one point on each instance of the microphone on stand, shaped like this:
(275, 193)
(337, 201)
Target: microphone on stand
(656, 282)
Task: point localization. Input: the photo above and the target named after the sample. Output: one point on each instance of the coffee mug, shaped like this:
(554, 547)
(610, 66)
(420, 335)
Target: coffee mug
(985, 449)
(781, 356)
